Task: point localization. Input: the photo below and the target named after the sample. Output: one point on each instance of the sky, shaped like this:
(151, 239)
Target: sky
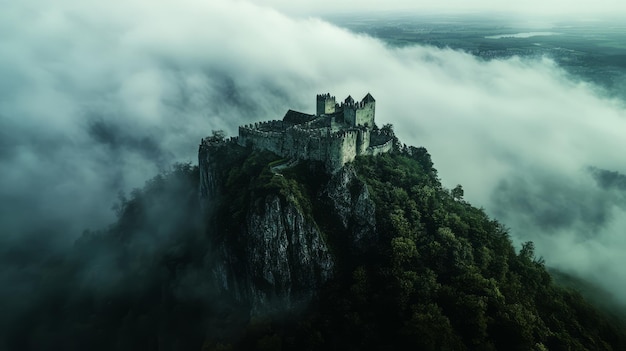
(97, 98)
(531, 7)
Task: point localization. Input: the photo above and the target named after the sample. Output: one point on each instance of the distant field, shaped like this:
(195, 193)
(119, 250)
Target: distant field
(591, 50)
(620, 45)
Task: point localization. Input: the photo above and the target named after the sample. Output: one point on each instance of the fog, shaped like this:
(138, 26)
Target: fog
(96, 99)
(534, 8)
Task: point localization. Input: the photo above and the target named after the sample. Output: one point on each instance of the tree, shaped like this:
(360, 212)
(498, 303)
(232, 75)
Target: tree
(217, 136)
(387, 129)
(528, 251)
(457, 192)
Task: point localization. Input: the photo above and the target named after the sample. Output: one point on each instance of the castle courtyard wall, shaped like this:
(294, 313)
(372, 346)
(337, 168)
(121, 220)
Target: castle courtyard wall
(334, 139)
(365, 115)
(265, 140)
(363, 141)
(380, 149)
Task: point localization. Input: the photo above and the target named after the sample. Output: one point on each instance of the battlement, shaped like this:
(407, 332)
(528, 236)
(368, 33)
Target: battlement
(325, 96)
(325, 104)
(335, 135)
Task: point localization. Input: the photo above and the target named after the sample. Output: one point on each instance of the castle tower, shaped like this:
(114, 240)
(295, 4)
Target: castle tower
(365, 112)
(363, 141)
(325, 104)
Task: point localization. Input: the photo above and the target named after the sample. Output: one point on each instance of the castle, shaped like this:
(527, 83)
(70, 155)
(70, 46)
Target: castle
(335, 135)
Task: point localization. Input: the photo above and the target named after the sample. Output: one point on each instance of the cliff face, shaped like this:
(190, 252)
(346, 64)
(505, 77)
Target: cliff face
(388, 257)
(352, 204)
(274, 256)
(284, 255)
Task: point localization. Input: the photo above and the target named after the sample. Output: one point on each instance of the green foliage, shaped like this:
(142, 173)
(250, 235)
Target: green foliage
(217, 136)
(387, 129)
(457, 193)
(117, 288)
(249, 176)
(447, 277)
(444, 276)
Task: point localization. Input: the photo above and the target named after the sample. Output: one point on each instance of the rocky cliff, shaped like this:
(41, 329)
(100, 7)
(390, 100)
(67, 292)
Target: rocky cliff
(376, 255)
(274, 252)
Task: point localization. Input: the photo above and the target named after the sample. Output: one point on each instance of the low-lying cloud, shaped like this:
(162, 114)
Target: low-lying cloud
(561, 8)
(95, 99)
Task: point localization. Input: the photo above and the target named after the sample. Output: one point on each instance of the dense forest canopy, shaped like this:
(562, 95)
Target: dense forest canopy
(442, 275)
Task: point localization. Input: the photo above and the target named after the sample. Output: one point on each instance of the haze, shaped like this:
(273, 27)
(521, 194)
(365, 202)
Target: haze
(534, 8)
(98, 98)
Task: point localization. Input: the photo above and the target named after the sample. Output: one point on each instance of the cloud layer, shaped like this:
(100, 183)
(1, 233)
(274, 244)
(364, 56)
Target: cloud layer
(95, 99)
(559, 8)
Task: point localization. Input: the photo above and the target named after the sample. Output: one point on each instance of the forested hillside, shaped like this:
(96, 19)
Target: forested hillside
(437, 273)
(443, 275)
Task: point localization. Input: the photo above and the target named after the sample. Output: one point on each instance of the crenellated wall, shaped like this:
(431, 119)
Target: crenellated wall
(380, 149)
(358, 114)
(365, 115)
(342, 148)
(273, 125)
(334, 137)
(325, 104)
(267, 140)
(349, 114)
(363, 141)
(306, 143)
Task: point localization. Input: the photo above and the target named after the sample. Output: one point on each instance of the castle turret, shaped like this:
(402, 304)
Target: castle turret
(365, 112)
(335, 135)
(368, 99)
(325, 104)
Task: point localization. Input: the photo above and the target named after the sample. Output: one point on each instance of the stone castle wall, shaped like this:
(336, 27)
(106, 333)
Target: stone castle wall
(320, 144)
(365, 115)
(306, 143)
(379, 143)
(342, 148)
(268, 140)
(363, 141)
(273, 125)
(335, 149)
(358, 114)
(325, 104)
(349, 114)
(333, 139)
(379, 149)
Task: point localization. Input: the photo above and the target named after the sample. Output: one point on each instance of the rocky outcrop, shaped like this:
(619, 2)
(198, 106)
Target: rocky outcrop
(352, 204)
(277, 257)
(209, 164)
(287, 256)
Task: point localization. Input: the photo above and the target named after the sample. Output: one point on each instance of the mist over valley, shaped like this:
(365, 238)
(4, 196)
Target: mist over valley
(526, 112)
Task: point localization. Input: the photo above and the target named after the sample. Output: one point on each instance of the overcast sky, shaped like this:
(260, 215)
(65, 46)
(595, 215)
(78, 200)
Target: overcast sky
(96, 98)
(558, 8)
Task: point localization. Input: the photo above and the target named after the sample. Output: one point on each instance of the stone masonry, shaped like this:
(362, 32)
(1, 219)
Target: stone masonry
(335, 135)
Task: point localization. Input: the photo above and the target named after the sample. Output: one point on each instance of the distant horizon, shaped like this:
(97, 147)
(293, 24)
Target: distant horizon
(557, 10)
(100, 97)
(492, 16)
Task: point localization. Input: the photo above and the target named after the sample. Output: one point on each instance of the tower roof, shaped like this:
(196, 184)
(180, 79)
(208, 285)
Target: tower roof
(349, 100)
(295, 117)
(368, 98)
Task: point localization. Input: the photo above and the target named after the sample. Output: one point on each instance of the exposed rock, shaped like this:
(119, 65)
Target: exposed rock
(352, 203)
(287, 257)
(208, 167)
(277, 258)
